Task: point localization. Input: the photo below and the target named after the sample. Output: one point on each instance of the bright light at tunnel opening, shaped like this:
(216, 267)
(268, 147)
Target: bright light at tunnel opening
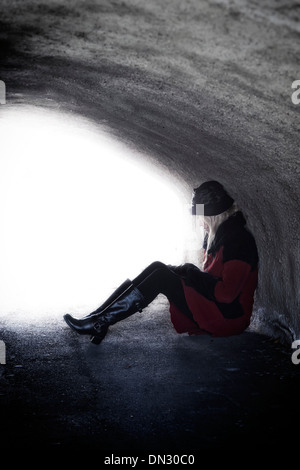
(79, 214)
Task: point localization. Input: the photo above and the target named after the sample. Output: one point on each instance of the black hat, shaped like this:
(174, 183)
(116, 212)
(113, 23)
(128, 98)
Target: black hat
(214, 198)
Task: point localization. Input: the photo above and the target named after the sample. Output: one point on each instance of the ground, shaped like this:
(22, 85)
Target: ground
(146, 389)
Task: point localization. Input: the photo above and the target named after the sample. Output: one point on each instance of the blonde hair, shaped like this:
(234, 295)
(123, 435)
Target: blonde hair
(213, 222)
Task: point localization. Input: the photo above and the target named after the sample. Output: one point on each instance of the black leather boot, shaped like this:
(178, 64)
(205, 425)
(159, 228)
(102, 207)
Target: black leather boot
(96, 325)
(120, 290)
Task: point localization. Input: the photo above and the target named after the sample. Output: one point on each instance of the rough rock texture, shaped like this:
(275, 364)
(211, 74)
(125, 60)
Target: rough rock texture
(203, 88)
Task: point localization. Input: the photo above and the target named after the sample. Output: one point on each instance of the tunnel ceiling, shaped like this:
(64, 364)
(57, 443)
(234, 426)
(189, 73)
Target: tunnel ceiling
(202, 88)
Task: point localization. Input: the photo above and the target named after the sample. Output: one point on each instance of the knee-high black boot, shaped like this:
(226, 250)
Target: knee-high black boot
(120, 290)
(96, 325)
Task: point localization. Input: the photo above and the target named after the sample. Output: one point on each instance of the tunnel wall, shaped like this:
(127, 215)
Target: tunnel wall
(203, 89)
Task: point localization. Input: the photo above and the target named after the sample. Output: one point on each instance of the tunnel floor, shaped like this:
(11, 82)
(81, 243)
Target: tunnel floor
(145, 389)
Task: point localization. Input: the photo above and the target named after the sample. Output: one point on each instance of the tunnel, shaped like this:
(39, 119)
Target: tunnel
(190, 91)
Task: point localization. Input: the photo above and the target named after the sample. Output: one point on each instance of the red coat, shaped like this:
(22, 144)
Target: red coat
(221, 297)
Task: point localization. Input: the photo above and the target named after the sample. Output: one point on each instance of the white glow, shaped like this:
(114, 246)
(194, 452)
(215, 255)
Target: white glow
(78, 214)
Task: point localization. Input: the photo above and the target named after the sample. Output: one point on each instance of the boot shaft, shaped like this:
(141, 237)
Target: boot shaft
(128, 303)
(113, 297)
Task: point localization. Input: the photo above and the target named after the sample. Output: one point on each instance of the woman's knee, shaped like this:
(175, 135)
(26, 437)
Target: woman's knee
(157, 265)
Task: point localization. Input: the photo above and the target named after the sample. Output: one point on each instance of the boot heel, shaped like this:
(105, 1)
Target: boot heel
(96, 339)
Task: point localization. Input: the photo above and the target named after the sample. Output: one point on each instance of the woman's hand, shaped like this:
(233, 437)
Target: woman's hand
(183, 269)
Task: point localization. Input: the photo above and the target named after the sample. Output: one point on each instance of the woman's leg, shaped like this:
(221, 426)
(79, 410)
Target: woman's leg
(158, 278)
(148, 270)
(155, 279)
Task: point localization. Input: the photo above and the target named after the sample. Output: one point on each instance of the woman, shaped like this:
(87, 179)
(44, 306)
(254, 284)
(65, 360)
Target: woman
(216, 300)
